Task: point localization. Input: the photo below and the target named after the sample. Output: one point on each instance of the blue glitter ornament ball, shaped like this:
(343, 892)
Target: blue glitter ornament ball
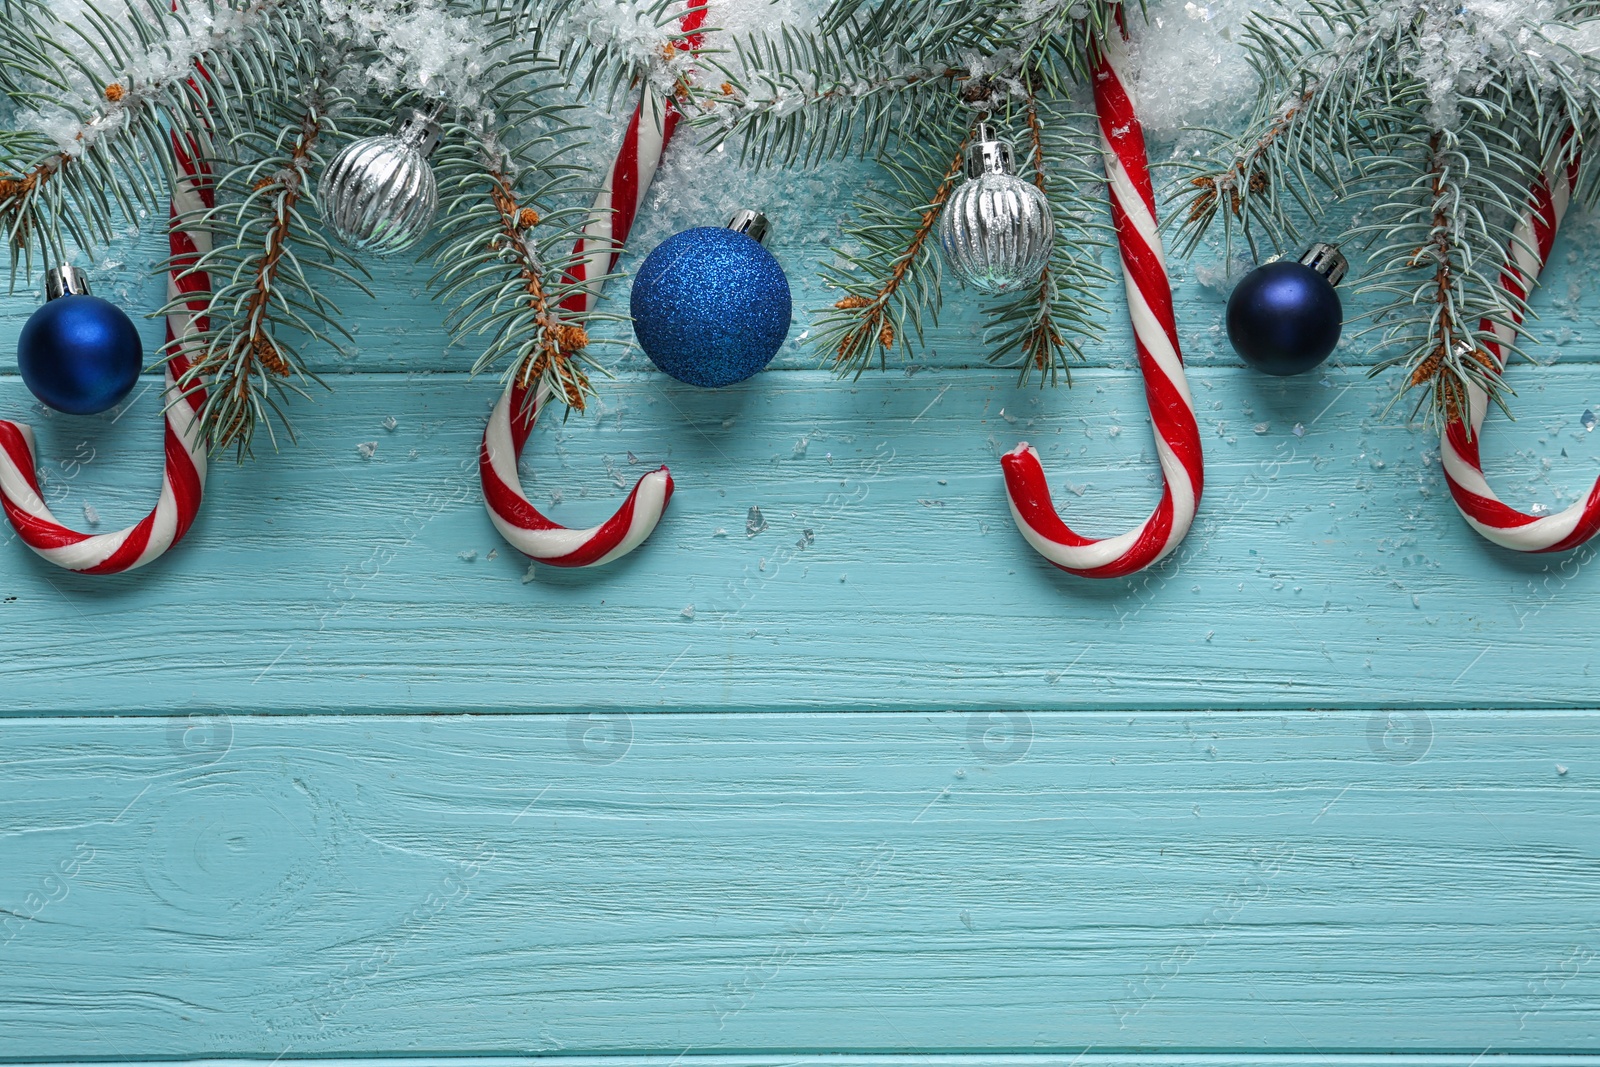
(78, 354)
(711, 306)
(1285, 318)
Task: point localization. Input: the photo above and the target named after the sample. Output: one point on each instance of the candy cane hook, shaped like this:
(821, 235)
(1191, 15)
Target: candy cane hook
(530, 532)
(1458, 447)
(183, 477)
(595, 255)
(1155, 330)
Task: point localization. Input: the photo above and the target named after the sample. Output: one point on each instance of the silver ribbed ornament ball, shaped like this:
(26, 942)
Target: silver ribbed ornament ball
(996, 230)
(379, 194)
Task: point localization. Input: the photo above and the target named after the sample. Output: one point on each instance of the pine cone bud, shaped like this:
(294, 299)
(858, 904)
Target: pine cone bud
(115, 92)
(1428, 367)
(886, 335)
(268, 356)
(570, 338)
(527, 218)
(1453, 394)
(535, 368)
(850, 302)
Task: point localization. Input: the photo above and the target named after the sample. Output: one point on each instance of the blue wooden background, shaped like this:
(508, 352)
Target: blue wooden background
(341, 777)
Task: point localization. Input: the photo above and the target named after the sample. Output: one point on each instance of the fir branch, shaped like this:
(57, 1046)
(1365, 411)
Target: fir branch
(1439, 262)
(512, 210)
(1311, 112)
(266, 266)
(786, 111)
(893, 285)
(602, 46)
(1442, 116)
(875, 68)
(555, 351)
(1056, 40)
(115, 97)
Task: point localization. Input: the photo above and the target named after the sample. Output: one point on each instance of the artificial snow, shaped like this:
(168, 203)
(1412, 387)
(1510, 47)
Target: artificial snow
(1187, 68)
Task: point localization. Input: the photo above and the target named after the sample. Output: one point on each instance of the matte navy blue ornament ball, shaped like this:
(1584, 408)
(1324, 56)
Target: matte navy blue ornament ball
(78, 354)
(710, 305)
(1285, 317)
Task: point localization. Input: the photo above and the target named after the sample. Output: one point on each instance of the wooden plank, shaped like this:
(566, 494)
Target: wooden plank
(1326, 570)
(1087, 1058)
(691, 884)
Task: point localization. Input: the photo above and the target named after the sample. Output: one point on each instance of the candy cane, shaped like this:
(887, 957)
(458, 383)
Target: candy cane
(595, 256)
(1458, 447)
(1155, 330)
(183, 477)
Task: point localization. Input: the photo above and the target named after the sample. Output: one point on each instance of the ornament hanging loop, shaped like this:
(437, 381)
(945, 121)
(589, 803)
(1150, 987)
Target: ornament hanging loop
(988, 154)
(65, 281)
(420, 130)
(1328, 261)
(753, 224)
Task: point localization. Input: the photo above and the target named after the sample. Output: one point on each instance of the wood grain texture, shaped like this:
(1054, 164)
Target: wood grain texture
(993, 824)
(1326, 570)
(662, 884)
(1087, 1058)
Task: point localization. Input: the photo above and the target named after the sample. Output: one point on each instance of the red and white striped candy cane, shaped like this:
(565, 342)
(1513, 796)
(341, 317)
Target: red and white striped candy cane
(610, 221)
(183, 477)
(1458, 447)
(1155, 330)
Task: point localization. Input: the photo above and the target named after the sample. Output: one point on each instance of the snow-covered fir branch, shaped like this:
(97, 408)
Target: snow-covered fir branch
(268, 91)
(1442, 115)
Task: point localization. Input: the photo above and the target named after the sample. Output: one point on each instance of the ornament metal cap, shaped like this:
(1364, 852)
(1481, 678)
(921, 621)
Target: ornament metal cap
(1327, 261)
(418, 130)
(65, 281)
(753, 224)
(987, 154)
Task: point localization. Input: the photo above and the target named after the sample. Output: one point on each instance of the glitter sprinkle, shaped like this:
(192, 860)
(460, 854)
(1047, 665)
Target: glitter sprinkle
(755, 522)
